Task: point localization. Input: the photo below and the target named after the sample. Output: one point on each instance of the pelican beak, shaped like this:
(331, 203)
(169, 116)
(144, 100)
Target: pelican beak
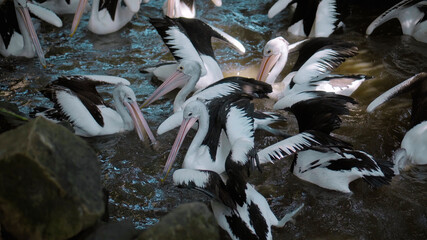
(183, 130)
(139, 121)
(217, 3)
(77, 16)
(267, 64)
(177, 79)
(170, 8)
(25, 14)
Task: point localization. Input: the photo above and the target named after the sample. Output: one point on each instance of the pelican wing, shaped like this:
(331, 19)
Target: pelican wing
(390, 13)
(44, 14)
(299, 142)
(8, 21)
(239, 127)
(400, 88)
(308, 47)
(111, 7)
(278, 7)
(326, 19)
(177, 39)
(233, 42)
(324, 61)
(208, 182)
(83, 88)
(105, 79)
(75, 108)
(201, 34)
(317, 110)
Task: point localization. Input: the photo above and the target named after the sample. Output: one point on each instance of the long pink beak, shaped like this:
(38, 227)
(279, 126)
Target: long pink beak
(25, 14)
(267, 64)
(77, 16)
(170, 8)
(139, 121)
(177, 79)
(183, 130)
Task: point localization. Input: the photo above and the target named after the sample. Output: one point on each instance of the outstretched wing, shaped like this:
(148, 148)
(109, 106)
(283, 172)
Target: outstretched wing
(324, 61)
(296, 143)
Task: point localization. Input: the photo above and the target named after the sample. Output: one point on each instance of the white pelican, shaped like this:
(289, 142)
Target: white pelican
(77, 101)
(191, 39)
(313, 18)
(183, 8)
(18, 36)
(413, 149)
(317, 58)
(411, 15)
(107, 16)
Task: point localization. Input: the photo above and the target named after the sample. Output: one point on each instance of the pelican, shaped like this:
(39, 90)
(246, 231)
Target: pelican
(313, 18)
(77, 101)
(191, 39)
(237, 206)
(411, 15)
(413, 149)
(250, 219)
(18, 36)
(335, 168)
(331, 167)
(107, 16)
(317, 56)
(183, 8)
(61, 6)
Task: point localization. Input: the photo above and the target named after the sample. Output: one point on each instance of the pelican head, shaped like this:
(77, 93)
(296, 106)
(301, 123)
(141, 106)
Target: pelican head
(191, 114)
(124, 95)
(187, 70)
(276, 49)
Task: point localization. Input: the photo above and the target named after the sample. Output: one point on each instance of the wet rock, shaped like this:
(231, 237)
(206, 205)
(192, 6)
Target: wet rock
(123, 230)
(50, 182)
(187, 221)
(10, 116)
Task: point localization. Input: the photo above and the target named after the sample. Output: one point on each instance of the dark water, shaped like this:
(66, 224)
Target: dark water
(132, 171)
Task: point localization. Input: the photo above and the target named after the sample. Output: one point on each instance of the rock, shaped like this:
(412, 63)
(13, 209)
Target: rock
(123, 230)
(50, 186)
(187, 221)
(10, 116)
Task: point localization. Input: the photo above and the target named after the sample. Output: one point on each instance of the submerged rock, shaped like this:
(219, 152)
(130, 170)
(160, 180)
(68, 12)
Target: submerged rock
(10, 116)
(188, 221)
(50, 182)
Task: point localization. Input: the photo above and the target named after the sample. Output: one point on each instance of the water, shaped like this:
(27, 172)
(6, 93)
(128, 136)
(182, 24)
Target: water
(132, 171)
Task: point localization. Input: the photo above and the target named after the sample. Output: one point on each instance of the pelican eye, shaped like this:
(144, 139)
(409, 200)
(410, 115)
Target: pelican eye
(180, 68)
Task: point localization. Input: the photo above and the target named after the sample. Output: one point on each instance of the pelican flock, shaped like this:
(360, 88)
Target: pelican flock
(307, 87)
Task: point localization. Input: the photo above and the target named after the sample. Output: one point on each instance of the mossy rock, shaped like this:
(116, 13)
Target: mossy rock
(50, 186)
(188, 221)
